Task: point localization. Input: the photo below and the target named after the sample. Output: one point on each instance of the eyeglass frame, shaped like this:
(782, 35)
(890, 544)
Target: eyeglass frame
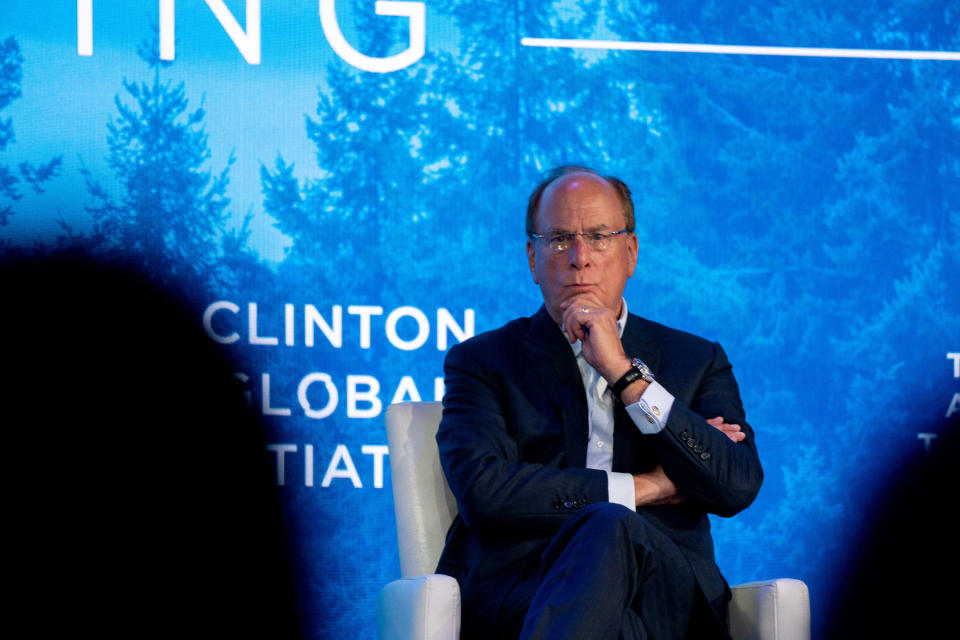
(570, 237)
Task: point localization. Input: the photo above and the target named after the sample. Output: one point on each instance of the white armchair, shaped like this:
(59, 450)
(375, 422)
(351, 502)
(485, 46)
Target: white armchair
(426, 606)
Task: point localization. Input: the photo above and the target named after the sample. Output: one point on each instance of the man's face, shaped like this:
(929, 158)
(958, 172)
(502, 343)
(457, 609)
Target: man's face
(581, 203)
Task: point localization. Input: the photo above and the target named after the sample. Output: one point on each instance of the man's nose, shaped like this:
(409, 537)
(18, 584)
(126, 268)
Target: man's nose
(579, 253)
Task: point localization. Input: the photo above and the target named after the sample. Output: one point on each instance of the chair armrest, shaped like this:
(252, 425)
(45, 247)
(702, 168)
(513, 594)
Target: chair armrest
(770, 610)
(421, 608)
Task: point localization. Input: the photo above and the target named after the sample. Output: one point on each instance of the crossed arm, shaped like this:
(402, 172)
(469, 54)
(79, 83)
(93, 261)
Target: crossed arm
(584, 318)
(655, 488)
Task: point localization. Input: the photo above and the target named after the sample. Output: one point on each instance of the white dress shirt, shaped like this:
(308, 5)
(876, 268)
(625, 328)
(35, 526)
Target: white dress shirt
(650, 414)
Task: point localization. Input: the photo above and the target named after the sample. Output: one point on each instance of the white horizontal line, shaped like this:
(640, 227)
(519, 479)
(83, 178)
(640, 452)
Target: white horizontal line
(681, 47)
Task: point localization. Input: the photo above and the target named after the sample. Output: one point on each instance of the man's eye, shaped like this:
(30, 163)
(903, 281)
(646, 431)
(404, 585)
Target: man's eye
(598, 237)
(560, 239)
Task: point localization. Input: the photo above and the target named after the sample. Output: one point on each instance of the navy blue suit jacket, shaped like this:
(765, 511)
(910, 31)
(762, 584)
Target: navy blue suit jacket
(513, 445)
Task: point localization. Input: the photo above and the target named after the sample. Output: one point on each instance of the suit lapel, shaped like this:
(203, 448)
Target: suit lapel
(629, 454)
(638, 343)
(552, 359)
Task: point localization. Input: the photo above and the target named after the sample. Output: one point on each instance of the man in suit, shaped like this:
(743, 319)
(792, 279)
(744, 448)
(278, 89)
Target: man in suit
(586, 445)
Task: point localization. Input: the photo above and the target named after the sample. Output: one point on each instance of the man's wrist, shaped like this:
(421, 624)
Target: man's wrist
(634, 392)
(616, 372)
(645, 490)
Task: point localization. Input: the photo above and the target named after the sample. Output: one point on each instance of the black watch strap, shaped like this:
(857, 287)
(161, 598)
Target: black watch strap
(636, 371)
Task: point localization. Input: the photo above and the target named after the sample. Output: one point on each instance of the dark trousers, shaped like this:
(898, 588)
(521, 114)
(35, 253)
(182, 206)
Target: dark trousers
(606, 574)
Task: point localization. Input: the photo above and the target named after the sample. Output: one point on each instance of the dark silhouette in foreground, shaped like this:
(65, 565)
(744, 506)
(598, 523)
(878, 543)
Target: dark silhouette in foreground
(139, 501)
(898, 579)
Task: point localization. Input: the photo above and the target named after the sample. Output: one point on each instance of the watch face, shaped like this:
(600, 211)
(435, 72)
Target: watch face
(645, 372)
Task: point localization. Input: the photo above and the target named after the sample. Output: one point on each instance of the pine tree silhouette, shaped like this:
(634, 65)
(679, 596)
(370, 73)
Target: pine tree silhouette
(171, 215)
(11, 74)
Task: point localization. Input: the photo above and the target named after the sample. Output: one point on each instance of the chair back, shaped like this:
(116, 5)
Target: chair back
(421, 499)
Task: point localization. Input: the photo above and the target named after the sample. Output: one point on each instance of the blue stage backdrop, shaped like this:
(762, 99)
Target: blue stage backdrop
(339, 186)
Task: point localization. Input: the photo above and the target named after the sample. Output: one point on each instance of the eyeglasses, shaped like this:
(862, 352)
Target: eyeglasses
(596, 240)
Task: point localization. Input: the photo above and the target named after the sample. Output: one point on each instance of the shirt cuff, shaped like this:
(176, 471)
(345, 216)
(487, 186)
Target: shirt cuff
(652, 411)
(620, 489)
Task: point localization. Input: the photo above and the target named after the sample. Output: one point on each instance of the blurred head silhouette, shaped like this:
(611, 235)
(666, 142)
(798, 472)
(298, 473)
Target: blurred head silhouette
(140, 498)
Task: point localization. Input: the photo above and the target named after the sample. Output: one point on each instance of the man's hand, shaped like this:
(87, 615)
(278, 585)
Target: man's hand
(654, 488)
(595, 326)
(732, 431)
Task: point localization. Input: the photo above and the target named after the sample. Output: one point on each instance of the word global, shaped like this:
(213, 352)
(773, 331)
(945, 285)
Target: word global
(319, 397)
(220, 324)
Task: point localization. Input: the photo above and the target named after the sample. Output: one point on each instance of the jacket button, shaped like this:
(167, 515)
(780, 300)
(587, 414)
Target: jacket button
(705, 455)
(691, 442)
(567, 504)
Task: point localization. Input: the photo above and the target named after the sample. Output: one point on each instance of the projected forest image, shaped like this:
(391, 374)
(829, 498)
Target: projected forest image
(802, 211)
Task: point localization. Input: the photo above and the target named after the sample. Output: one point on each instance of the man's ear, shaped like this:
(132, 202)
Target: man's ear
(633, 246)
(532, 259)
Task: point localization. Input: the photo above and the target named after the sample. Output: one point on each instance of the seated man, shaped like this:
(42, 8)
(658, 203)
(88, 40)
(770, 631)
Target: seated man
(586, 445)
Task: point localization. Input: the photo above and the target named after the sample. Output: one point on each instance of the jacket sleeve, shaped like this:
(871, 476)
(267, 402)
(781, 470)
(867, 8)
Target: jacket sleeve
(722, 475)
(502, 450)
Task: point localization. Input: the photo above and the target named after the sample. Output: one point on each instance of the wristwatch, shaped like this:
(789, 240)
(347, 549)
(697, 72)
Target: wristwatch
(638, 369)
